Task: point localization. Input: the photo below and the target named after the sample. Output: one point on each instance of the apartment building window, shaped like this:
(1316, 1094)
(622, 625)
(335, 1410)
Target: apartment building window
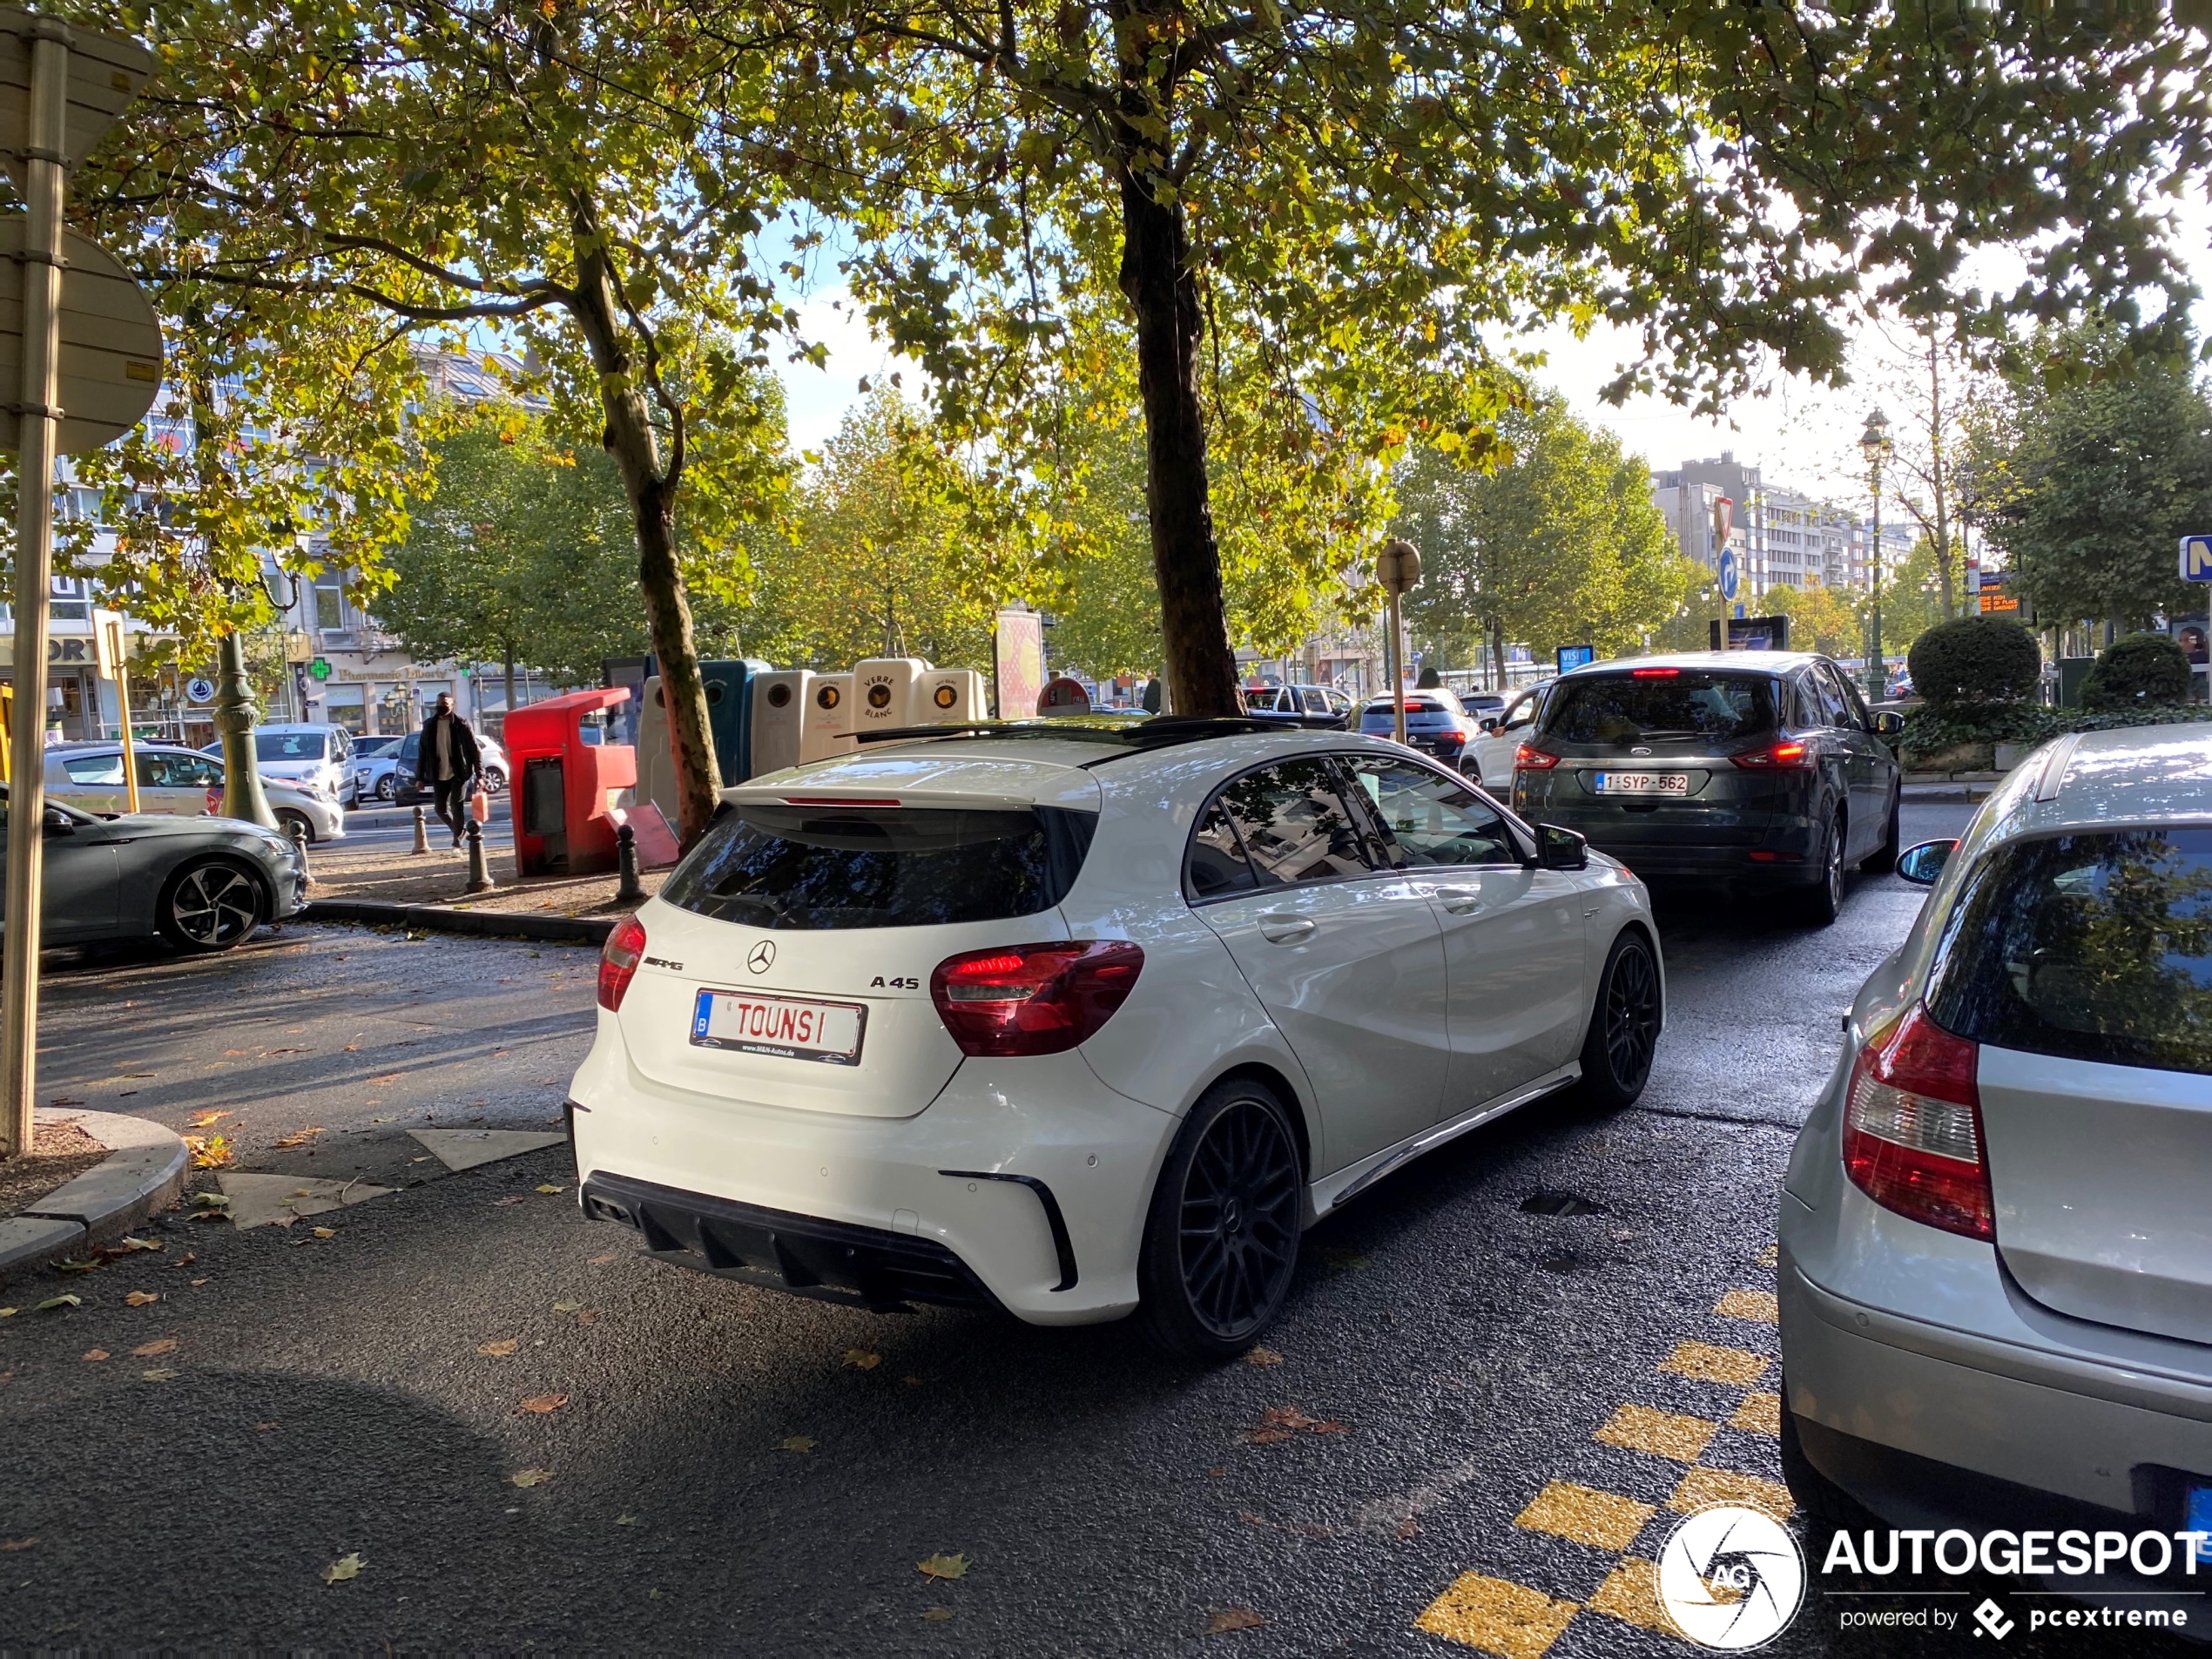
(70, 601)
(330, 602)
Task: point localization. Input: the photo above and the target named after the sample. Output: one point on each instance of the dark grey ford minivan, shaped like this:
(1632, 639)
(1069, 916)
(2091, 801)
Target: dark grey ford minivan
(1764, 769)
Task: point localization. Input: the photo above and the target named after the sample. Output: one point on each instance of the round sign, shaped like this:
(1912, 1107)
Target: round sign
(201, 690)
(1730, 577)
(878, 695)
(827, 696)
(1397, 567)
(944, 696)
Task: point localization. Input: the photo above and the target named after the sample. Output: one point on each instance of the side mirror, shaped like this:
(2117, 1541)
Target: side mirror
(1889, 723)
(1561, 849)
(1489, 725)
(1921, 865)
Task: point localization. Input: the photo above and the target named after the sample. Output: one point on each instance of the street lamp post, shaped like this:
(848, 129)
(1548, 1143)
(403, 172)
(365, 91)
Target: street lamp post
(1874, 443)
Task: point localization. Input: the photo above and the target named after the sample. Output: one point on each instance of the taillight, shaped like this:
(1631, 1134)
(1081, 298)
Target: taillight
(1525, 758)
(1654, 673)
(1786, 756)
(618, 962)
(1913, 1127)
(1034, 999)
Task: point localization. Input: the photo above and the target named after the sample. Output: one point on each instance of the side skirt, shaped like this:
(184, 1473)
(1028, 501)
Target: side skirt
(1332, 1191)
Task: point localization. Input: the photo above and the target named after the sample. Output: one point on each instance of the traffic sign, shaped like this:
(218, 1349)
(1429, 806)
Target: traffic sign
(105, 72)
(1732, 578)
(200, 689)
(1397, 567)
(2196, 558)
(109, 366)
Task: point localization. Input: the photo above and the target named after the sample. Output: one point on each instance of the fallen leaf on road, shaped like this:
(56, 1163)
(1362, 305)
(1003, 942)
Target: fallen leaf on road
(212, 1151)
(1280, 1422)
(393, 1078)
(652, 1595)
(502, 1203)
(549, 1188)
(297, 1139)
(17, 1543)
(199, 1281)
(53, 1302)
(799, 1443)
(156, 1375)
(1232, 1618)
(1263, 1357)
(264, 1428)
(861, 1359)
(77, 1267)
(127, 1244)
(1408, 1527)
(351, 1047)
(159, 1345)
(96, 1353)
(185, 1260)
(219, 1201)
(601, 1261)
(325, 1233)
(936, 1612)
(201, 1120)
(63, 1100)
(542, 1402)
(141, 1298)
(566, 1307)
(9, 1314)
(944, 1567)
(499, 1350)
(625, 1520)
(344, 1567)
(528, 1478)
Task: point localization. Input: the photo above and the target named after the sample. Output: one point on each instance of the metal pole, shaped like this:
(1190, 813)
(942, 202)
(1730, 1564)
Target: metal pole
(1396, 676)
(130, 753)
(1878, 675)
(42, 296)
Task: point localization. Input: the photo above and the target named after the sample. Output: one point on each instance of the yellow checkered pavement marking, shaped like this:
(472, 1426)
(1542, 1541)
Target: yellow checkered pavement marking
(1497, 1616)
(1603, 1520)
(1702, 1361)
(1630, 1593)
(1759, 1414)
(1750, 1305)
(1662, 1433)
(1701, 1487)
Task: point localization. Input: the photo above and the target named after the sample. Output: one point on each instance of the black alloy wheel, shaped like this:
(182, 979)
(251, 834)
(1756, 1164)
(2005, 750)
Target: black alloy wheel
(1624, 1025)
(1221, 1239)
(1883, 859)
(1824, 900)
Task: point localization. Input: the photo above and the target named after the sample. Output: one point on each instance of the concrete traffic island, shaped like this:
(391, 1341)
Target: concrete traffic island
(144, 1172)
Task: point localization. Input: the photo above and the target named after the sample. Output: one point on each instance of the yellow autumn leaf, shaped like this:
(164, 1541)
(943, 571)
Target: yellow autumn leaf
(799, 1443)
(325, 1233)
(862, 1359)
(944, 1567)
(344, 1567)
(550, 1188)
(528, 1478)
(141, 1298)
(498, 1350)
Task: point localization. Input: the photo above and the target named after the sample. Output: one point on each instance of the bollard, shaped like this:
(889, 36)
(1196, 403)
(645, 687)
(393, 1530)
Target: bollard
(421, 832)
(479, 877)
(626, 862)
(299, 833)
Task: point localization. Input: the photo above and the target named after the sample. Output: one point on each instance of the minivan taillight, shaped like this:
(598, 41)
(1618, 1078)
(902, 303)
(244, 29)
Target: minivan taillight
(1788, 755)
(1034, 999)
(618, 962)
(1913, 1127)
(1529, 758)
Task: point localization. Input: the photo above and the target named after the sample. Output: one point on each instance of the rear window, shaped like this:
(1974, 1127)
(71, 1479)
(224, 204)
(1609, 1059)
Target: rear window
(811, 868)
(2094, 946)
(287, 745)
(1630, 708)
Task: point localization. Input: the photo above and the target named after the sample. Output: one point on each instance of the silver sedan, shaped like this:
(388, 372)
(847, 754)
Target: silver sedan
(202, 883)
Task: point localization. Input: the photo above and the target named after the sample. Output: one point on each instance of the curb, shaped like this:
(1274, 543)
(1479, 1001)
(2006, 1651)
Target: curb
(144, 1172)
(484, 924)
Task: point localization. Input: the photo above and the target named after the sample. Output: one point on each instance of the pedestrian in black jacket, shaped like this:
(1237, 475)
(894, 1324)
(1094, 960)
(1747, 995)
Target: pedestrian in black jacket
(449, 760)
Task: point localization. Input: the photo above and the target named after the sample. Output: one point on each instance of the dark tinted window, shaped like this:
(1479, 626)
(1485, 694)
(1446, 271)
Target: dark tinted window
(1630, 708)
(1432, 820)
(288, 746)
(1216, 864)
(1294, 823)
(2094, 946)
(813, 867)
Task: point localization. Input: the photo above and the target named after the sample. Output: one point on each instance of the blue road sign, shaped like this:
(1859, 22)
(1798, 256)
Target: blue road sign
(2196, 558)
(1729, 578)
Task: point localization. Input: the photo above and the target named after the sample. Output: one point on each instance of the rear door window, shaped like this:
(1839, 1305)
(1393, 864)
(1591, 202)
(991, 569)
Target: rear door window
(1835, 702)
(1431, 819)
(1215, 864)
(1293, 824)
(94, 771)
(2092, 946)
(1656, 707)
(815, 868)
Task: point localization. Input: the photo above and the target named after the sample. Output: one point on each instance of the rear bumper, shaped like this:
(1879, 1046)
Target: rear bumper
(1029, 1177)
(1763, 847)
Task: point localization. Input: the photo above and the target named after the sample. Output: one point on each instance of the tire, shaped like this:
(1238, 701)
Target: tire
(1821, 903)
(384, 788)
(494, 781)
(1221, 1241)
(209, 905)
(1883, 859)
(1625, 1022)
(286, 817)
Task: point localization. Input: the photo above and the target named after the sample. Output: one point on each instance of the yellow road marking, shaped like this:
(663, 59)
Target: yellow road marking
(1749, 1304)
(1769, 1256)
(1604, 1519)
(1497, 1616)
(1662, 1433)
(1709, 1364)
(1630, 1593)
(1758, 1414)
(1701, 1487)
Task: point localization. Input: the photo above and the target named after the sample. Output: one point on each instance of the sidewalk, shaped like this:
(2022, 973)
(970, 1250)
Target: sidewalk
(440, 877)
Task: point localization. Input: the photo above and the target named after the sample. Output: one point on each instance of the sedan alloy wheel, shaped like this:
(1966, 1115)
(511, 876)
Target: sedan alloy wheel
(212, 906)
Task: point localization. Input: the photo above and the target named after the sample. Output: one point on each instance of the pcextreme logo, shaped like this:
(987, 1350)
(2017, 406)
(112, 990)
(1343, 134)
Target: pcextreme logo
(1732, 1578)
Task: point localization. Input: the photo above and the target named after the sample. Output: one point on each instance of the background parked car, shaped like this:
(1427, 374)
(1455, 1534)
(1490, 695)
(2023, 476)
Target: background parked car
(407, 785)
(174, 781)
(375, 761)
(1321, 706)
(318, 759)
(1436, 723)
(1489, 759)
(203, 883)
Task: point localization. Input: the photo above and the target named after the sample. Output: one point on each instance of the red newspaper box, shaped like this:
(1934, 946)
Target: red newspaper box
(562, 825)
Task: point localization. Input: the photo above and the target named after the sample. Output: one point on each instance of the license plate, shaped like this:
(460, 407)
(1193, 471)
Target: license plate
(2197, 1510)
(1643, 783)
(790, 1028)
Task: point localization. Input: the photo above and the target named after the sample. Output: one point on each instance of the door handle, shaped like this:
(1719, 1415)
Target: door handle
(1278, 928)
(1458, 900)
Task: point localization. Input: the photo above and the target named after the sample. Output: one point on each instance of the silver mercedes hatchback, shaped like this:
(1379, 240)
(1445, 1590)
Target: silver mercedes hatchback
(1996, 1234)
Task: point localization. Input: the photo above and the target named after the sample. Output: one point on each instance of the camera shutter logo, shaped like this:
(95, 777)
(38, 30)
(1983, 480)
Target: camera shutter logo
(1732, 1578)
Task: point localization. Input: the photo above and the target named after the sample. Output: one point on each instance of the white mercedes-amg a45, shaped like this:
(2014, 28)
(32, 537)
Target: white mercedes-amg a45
(1083, 1019)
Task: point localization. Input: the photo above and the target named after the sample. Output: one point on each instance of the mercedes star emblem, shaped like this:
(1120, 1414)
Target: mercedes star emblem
(762, 954)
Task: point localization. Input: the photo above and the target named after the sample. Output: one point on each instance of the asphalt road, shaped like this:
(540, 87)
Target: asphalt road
(736, 1471)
